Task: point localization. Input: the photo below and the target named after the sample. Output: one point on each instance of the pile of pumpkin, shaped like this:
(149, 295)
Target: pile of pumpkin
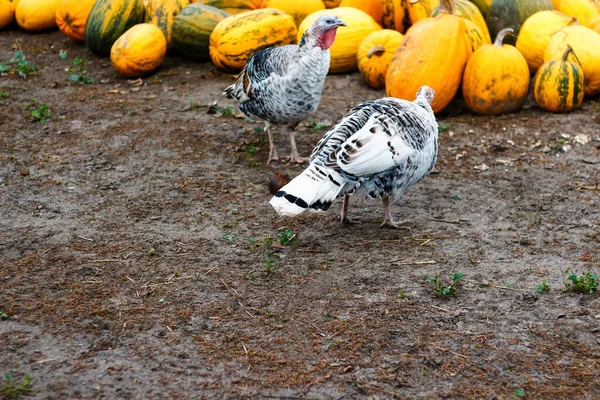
(398, 45)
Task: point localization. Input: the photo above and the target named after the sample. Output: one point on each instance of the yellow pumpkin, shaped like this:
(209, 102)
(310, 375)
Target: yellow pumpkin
(484, 6)
(162, 13)
(140, 50)
(297, 9)
(420, 9)
(36, 15)
(71, 16)
(496, 78)
(372, 7)
(343, 52)
(586, 45)
(536, 32)
(468, 10)
(332, 3)
(556, 4)
(583, 10)
(595, 24)
(7, 13)
(236, 37)
(233, 6)
(393, 15)
(434, 52)
(559, 84)
(375, 55)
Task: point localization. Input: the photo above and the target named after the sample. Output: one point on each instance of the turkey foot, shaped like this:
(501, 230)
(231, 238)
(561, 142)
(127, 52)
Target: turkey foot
(295, 158)
(344, 219)
(273, 156)
(388, 220)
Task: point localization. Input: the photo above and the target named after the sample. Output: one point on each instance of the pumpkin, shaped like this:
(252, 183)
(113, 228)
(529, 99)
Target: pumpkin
(71, 16)
(192, 28)
(13, 4)
(332, 3)
(234, 6)
(583, 10)
(468, 10)
(36, 15)
(420, 9)
(556, 4)
(434, 52)
(595, 24)
(512, 14)
(586, 45)
(375, 54)
(496, 78)
(235, 38)
(348, 38)
(483, 6)
(108, 20)
(7, 13)
(162, 13)
(140, 50)
(536, 33)
(393, 15)
(372, 7)
(559, 84)
(297, 9)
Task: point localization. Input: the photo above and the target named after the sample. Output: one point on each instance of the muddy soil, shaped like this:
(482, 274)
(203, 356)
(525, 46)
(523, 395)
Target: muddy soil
(139, 257)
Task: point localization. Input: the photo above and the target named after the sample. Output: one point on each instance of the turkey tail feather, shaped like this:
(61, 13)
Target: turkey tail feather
(315, 188)
(228, 92)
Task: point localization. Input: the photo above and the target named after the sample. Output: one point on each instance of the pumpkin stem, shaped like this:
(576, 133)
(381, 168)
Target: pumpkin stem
(500, 36)
(376, 50)
(448, 7)
(568, 52)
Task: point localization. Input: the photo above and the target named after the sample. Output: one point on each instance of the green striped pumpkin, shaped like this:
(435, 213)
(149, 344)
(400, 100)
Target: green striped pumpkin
(559, 84)
(235, 38)
(192, 28)
(162, 13)
(108, 20)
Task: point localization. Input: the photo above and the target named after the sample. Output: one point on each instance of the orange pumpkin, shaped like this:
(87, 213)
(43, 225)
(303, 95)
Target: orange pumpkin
(140, 50)
(332, 3)
(71, 16)
(595, 24)
(372, 7)
(7, 13)
(375, 55)
(433, 53)
(393, 15)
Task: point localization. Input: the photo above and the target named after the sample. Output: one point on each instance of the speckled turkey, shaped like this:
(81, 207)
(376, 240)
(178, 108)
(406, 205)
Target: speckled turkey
(379, 149)
(282, 85)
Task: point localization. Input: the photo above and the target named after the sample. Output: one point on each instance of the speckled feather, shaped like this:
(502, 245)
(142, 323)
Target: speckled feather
(380, 148)
(282, 85)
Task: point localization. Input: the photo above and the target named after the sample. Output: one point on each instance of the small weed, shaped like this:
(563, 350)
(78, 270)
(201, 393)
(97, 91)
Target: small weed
(319, 126)
(442, 128)
(445, 290)
(586, 283)
(18, 64)
(543, 287)
(11, 389)
(5, 95)
(287, 238)
(271, 266)
(401, 294)
(520, 393)
(225, 111)
(3, 316)
(249, 155)
(62, 54)
(151, 252)
(230, 238)
(191, 104)
(40, 112)
(78, 71)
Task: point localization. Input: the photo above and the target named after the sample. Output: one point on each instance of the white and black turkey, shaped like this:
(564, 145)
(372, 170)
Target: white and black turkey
(380, 149)
(283, 85)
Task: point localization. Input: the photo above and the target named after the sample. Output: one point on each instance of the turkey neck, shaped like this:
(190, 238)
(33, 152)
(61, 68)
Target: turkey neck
(326, 38)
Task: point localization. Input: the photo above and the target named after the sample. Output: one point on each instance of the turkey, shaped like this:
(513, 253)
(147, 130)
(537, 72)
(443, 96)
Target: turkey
(282, 85)
(379, 149)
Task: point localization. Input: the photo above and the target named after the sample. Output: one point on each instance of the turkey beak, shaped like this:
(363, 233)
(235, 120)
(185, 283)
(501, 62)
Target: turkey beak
(340, 23)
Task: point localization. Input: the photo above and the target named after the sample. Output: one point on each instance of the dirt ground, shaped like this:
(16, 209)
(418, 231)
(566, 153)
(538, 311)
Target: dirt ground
(139, 257)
